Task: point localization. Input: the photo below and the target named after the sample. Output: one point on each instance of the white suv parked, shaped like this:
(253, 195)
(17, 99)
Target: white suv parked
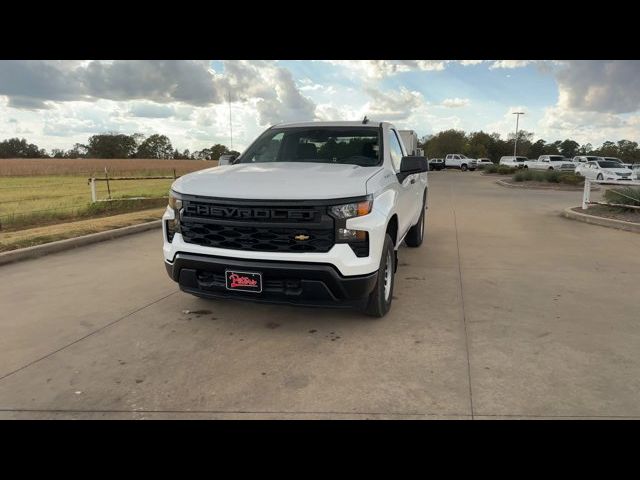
(310, 213)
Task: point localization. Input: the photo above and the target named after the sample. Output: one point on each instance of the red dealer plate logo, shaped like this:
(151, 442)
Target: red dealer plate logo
(243, 281)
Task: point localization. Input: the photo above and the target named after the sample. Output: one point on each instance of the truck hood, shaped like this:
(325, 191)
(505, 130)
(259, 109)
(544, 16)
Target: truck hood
(278, 181)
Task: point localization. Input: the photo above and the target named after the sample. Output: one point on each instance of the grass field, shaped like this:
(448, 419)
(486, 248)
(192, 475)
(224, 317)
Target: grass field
(37, 192)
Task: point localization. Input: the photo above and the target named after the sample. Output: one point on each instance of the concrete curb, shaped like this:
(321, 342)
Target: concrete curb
(537, 187)
(61, 245)
(602, 221)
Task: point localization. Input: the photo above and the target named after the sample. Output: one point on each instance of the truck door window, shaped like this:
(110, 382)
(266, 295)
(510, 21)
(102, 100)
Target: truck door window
(395, 150)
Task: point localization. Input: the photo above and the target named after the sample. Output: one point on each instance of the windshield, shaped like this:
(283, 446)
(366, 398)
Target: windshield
(554, 158)
(611, 159)
(345, 145)
(608, 164)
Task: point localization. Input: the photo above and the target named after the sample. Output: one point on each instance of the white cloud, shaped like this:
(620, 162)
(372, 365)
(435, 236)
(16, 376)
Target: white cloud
(392, 105)
(455, 102)
(509, 64)
(378, 69)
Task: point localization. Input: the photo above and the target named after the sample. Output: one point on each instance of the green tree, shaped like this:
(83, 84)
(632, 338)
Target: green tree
(443, 143)
(78, 151)
(552, 148)
(156, 146)
(569, 148)
(112, 145)
(20, 148)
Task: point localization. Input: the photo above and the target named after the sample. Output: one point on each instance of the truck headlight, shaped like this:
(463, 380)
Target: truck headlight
(175, 201)
(352, 210)
(173, 226)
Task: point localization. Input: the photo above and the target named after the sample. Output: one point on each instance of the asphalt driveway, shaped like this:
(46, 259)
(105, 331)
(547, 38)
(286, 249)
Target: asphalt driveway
(507, 310)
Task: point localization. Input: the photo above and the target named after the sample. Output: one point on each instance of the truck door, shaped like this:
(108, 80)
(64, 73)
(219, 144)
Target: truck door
(408, 207)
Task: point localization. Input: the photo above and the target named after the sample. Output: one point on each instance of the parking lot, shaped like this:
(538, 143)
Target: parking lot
(507, 311)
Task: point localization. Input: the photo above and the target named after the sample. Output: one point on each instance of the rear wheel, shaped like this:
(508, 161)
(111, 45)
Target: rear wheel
(463, 167)
(379, 302)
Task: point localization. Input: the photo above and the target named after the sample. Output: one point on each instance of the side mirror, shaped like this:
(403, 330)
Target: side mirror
(226, 159)
(410, 165)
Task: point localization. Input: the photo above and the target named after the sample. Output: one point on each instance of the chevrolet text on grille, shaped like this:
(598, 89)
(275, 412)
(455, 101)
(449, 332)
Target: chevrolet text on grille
(247, 212)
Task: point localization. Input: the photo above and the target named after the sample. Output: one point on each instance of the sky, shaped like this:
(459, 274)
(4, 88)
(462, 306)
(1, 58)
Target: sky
(57, 103)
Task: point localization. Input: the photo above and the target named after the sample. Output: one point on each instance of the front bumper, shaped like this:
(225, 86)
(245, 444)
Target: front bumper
(296, 283)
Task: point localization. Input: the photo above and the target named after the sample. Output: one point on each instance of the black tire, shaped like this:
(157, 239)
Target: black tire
(550, 168)
(599, 177)
(463, 167)
(526, 166)
(379, 302)
(415, 235)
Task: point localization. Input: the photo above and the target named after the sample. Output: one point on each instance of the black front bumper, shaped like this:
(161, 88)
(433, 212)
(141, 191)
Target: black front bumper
(310, 284)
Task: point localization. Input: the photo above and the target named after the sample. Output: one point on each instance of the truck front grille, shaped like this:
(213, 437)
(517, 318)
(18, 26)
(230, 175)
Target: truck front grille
(281, 228)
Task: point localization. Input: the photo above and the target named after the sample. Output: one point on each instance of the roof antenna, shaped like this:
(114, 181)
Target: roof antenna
(365, 120)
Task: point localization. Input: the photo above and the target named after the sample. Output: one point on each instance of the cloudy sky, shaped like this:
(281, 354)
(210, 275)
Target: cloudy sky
(58, 103)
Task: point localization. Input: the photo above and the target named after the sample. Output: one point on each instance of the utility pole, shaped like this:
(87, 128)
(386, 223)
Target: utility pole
(515, 141)
(230, 124)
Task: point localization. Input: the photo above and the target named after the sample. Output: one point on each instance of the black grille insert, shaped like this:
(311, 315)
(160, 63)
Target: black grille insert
(246, 227)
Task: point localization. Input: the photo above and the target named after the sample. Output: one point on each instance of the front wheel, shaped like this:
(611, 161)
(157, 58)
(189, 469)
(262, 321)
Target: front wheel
(379, 302)
(463, 167)
(599, 177)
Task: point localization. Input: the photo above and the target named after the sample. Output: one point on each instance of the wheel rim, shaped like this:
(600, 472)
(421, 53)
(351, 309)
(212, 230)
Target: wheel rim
(388, 277)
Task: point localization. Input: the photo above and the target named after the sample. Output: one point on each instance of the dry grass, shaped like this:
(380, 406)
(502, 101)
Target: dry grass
(26, 167)
(40, 235)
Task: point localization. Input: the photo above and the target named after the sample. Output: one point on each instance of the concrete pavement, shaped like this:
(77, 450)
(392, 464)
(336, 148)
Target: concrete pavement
(507, 311)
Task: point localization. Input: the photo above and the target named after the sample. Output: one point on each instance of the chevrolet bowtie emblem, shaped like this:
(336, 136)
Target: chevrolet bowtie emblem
(301, 237)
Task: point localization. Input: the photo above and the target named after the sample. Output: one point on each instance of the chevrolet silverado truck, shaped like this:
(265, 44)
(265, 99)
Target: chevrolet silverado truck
(310, 214)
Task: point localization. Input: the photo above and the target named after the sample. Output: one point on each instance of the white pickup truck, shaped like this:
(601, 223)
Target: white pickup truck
(310, 213)
(551, 162)
(457, 160)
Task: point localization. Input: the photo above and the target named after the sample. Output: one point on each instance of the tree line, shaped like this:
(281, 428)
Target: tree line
(484, 145)
(114, 145)
(475, 144)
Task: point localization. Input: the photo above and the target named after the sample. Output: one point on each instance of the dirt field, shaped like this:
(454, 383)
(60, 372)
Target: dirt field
(22, 167)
